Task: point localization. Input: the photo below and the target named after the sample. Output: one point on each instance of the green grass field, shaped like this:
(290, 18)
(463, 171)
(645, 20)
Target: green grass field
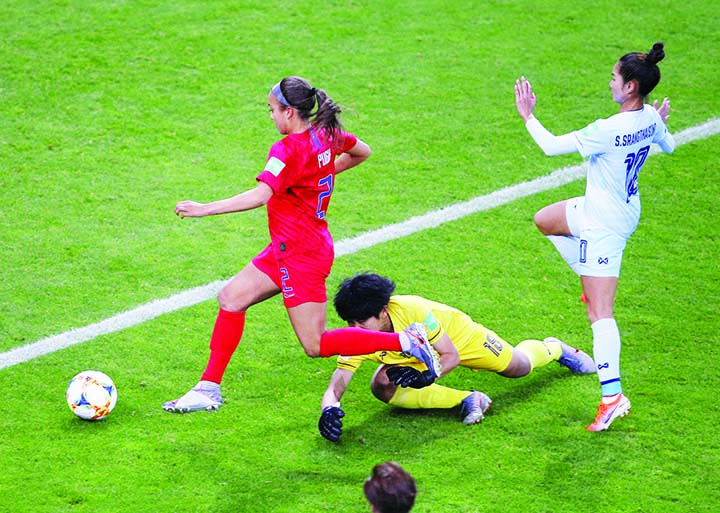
(113, 111)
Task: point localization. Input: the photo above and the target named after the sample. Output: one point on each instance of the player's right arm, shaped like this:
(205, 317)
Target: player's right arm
(330, 423)
(336, 388)
(666, 142)
(352, 157)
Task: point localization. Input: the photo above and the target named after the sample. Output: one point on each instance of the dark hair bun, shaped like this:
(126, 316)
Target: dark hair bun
(656, 54)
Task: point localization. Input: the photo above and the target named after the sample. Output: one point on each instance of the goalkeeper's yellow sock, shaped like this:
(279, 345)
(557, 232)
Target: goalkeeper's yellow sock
(433, 396)
(540, 353)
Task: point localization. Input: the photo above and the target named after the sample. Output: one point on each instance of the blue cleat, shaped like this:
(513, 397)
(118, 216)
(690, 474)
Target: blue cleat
(474, 407)
(577, 361)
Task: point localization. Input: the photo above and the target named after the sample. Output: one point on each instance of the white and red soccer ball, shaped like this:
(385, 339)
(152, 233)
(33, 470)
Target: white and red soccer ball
(91, 395)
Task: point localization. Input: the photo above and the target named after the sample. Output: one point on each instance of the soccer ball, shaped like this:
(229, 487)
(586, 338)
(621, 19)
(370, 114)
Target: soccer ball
(91, 395)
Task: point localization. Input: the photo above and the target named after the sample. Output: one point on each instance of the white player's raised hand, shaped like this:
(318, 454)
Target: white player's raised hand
(663, 109)
(524, 98)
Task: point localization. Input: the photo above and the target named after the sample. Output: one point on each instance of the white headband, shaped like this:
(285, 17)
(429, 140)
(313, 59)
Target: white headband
(277, 93)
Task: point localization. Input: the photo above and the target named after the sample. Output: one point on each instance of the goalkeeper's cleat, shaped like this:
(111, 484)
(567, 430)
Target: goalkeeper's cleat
(202, 397)
(413, 341)
(607, 413)
(474, 407)
(577, 361)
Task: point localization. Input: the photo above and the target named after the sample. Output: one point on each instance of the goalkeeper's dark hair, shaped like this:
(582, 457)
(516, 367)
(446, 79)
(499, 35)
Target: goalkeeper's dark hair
(303, 97)
(643, 68)
(363, 296)
(390, 489)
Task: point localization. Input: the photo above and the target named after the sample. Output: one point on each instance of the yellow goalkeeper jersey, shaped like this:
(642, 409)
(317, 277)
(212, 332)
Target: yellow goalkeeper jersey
(438, 320)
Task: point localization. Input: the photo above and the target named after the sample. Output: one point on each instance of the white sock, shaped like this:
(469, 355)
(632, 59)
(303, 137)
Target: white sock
(569, 248)
(606, 351)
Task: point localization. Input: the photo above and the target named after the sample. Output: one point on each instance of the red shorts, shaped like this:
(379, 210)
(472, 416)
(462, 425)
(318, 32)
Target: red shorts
(300, 276)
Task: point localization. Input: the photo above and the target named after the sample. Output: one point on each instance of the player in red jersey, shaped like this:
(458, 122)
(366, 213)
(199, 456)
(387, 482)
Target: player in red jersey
(296, 186)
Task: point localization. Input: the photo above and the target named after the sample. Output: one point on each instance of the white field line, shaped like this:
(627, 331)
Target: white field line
(413, 225)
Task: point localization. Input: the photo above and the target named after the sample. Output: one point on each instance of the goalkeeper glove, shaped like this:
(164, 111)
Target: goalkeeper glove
(410, 377)
(330, 425)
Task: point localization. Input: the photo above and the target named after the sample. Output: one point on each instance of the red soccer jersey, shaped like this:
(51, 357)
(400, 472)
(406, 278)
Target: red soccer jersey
(301, 172)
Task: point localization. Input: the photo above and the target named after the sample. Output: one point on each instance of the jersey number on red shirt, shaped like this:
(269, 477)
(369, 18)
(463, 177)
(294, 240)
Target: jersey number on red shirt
(324, 196)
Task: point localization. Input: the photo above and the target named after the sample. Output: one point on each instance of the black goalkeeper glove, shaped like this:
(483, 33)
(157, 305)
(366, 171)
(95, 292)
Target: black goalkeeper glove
(330, 425)
(410, 377)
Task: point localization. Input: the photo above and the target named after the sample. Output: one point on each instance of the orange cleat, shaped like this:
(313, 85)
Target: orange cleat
(607, 413)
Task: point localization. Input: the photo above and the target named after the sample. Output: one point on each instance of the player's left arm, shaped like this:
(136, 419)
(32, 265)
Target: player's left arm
(448, 353)
(550, 144)
(247, 200)
(411, 377)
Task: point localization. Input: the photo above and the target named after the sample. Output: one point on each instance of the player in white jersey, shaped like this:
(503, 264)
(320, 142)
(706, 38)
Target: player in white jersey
(590, 232)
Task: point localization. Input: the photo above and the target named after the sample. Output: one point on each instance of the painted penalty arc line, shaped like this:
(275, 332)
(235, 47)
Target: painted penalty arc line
(433, 219)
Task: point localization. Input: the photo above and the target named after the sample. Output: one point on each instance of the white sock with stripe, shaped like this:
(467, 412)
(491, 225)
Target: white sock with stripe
(606, 351)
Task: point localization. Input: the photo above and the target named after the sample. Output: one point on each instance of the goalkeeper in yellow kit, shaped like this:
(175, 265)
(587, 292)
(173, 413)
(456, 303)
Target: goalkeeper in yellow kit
(367, 301)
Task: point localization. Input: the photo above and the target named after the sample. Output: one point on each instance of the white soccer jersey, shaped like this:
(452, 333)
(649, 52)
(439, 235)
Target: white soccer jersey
(617, 148)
